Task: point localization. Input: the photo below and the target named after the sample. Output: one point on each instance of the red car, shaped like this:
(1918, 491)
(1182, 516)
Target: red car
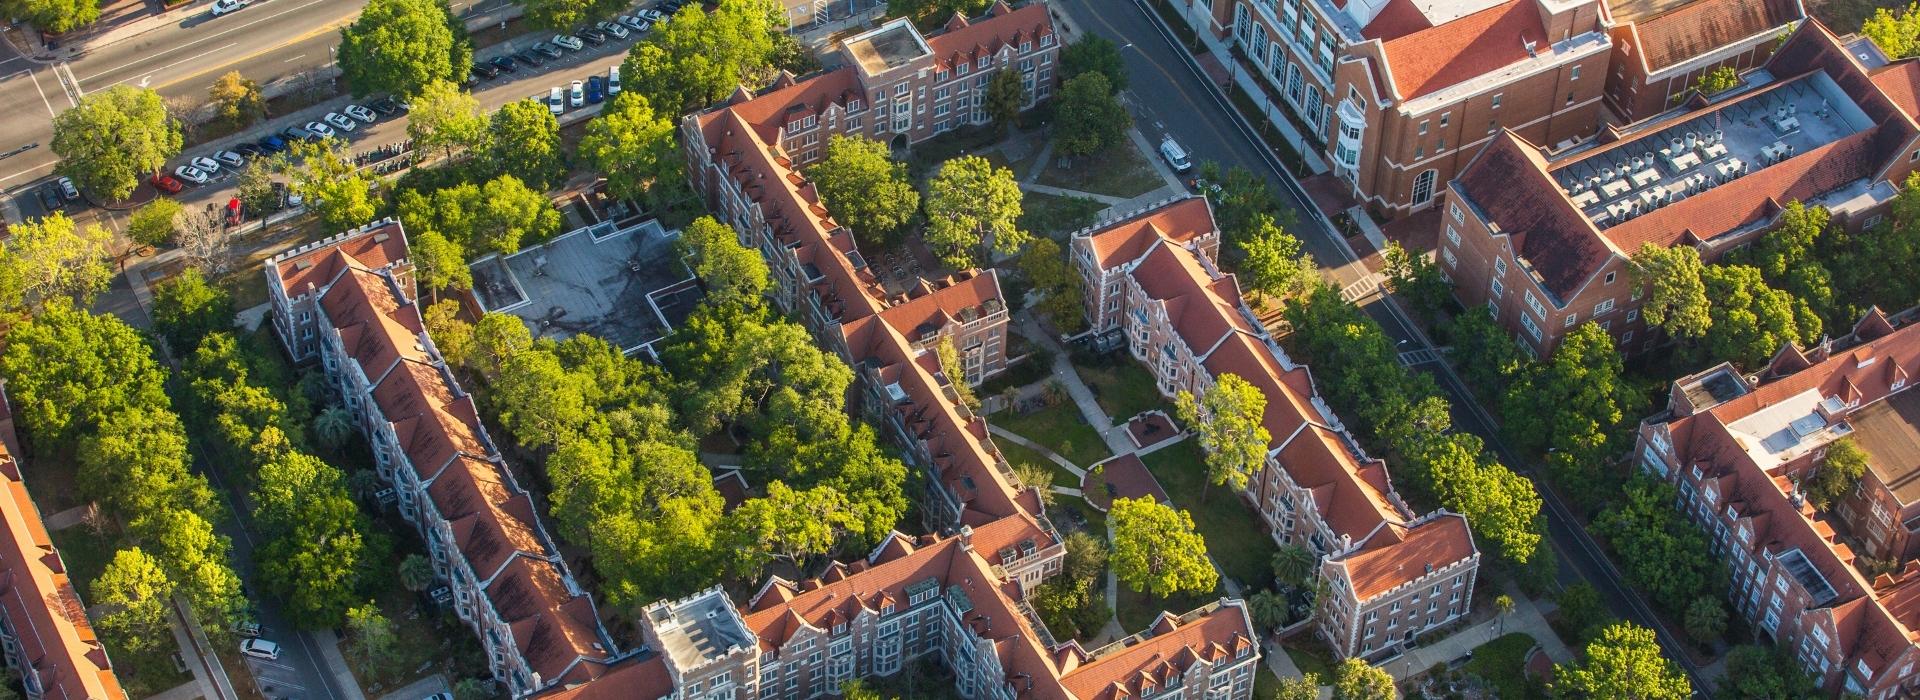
(165, 183)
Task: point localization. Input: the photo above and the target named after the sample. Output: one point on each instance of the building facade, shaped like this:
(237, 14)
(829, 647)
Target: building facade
(44, 632)
(348, 300)
(1737, 447)
(1154, 287)
(1544, 240)
(1661, 51)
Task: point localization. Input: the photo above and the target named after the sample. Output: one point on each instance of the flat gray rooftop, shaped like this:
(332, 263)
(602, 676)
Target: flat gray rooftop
(698, 630)
(628, 286)
(1665, 160)
(893, 45)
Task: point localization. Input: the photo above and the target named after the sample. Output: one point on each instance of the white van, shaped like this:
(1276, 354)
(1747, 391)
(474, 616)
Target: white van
(1175, 155)
(613, 80)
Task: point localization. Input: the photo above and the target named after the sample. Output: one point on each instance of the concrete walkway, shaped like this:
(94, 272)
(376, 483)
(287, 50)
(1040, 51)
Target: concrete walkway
(1525, 618)
(1108, 200)
(185, 691)
(68, 518)
(423, 688)
(1067, 491)
(1000, 432)
(336, 664)
(1116, 439)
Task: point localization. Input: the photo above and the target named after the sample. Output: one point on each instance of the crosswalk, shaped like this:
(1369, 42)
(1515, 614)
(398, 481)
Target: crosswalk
(1361, 288)
(1418, 357)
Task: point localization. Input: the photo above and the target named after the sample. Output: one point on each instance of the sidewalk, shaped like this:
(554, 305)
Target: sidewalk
(1116, 439)
(1003, 433)
(1525, 618)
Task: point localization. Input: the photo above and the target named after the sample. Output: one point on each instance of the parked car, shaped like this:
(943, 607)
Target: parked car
(385, 106)
(341, 122)
(320, 130)
(206, 165)
(49, 196)
(485, 72)
(557, 101)
(635, 23)
(360, 113)
(67, 190)
(259, 648)
(576, 94)
(1175, 156)
(546, 49)
(570, 43)
(595, 36)
(529, 57)
(273, 143)
(165, 183)
(221, 7)
(613, 80)
(440, 696)
(613, 28)
(249, 150)
(191, 174)
(301, 133)
(652, 15)
(596, 89)
(230, 159)
(504, 63)
(247, 628)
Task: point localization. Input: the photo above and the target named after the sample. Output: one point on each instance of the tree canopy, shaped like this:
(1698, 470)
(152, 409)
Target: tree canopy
(447, 118)
(1677, 295)
(1227, 420)
(1006, 94)
(1355, 679)
(1087, 118)
(633, 146)
(402, 46)
(732, 273)
(526, 143)
(188, 308)
(1274, 263)
(339, 192)
(67, 370)
(1752, 320)
(1573, 404)
(1660, 550)
(565, 14)
(1052, 275)
(1156, 550)
(1625, 662)
(1093, 53)
(134, 592)
(53, 16)
(1839, 473)
(53, 259)
(699, 57)
(973, 206)
(113, 139)
(865, 188)
(1896, 33)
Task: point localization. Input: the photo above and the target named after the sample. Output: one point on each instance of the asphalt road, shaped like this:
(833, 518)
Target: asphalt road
(1168, 97)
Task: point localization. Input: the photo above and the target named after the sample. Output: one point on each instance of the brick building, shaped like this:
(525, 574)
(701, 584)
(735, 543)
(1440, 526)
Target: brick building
(1544, 240)
(1660, 50)
(44, 630)
(349, 300)
(1402, 93)
(1153, 285)
(1738, 446)
(936, 597)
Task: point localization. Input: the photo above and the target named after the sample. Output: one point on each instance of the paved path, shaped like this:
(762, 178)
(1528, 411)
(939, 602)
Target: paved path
(1524, 618)
(1067, 491)
(422, 688)
(185, 691)
(68, 518)
(1116, 439)
(209, 677)
(1037, 447)
(337, 665)
(1108, 200)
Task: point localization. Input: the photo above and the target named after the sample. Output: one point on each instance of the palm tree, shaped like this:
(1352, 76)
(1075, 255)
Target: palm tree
(1503, 605)
(1269, 610)
(416, 573)
(333, 427)
(1293, 564)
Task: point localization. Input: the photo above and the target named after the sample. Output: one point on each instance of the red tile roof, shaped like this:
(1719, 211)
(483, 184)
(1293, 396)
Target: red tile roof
(1181, 222)
(986, 35)
(637, 678)
(1699, 27)
(1216, 635)
(1395, 554)
(1509, 183)
(46, 615)
(1901, 82)
(1424, 59)
(978, 296)
(319, 266)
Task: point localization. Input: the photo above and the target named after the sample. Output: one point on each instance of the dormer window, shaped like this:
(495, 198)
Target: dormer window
(985, 61)
(941, 76)
(1026, 46)
(962, 68)
(886, 609)
(840, 628)
(856, 106)
(1046, 40)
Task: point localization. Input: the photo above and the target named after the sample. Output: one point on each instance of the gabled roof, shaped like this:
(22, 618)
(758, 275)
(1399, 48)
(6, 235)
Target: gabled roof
(1395, 553)
(973, 297)
(319, 266)
(988, 34)
(1901, 82)
(1508, 181)
(48, 620)
(1425, 58)
(1699, 27)
(1162, 654)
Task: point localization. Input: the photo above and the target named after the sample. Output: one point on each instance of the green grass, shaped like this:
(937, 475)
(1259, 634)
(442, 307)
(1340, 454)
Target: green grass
(1310, 654)
(1502, 664)
(147, 673)
(1055, 215)
(1017, 453)
(1124, 389)
(85, 553)
(1233, 533)
(1138, 610)
(1061, 428)
(1119, 172)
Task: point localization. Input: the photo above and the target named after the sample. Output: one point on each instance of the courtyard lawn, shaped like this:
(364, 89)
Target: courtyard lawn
(86, 553)
(1061, 428)
(1120, 172)
(1234, 534)
(1501, 663)
(1123, 388)
(149, 672)
(1137, 611)
(1017, 453)
(1056, 216)
(1310, 654)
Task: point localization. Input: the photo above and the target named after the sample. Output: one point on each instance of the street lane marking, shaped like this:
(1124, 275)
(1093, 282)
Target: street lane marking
(149, 74)
(43, 93)
(295, 58)
(243, 59)
(28, 171)
(209, 37)
(75, 82)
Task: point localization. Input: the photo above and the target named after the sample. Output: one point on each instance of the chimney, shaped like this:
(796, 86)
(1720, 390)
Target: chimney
(966, 536)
